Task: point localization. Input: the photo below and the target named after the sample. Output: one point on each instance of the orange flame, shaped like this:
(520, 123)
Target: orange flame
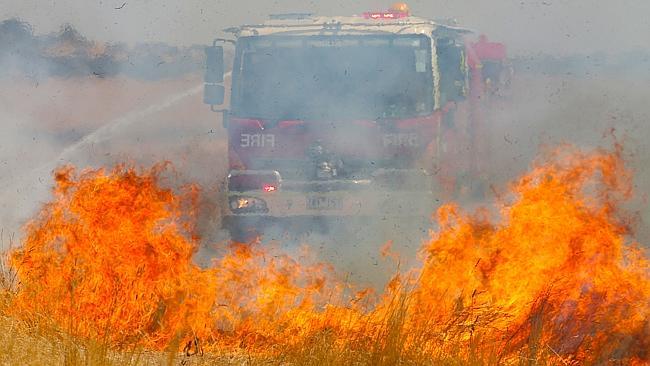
(110, 258)
(555, 268)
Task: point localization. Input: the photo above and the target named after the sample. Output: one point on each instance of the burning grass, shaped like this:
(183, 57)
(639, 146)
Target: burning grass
(554, 281)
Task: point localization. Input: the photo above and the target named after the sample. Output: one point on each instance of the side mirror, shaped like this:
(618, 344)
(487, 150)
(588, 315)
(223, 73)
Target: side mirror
(214, 64)
(213, 94)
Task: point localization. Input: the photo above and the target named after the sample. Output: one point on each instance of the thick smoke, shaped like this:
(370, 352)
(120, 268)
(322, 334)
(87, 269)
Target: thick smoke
(69, 99)
(584, 100)
(65, 99)
(68, 53)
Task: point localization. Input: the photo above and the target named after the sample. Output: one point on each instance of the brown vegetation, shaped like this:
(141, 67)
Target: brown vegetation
(105, 272)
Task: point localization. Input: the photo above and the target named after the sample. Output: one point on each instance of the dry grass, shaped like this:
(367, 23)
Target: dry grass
(31, 344)
(43, 344)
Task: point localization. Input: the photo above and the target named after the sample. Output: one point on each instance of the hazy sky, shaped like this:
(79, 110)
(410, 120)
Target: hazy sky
(527, 26)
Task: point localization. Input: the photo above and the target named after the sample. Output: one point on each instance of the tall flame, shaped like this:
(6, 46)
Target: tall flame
(556, 267)
(110, 258)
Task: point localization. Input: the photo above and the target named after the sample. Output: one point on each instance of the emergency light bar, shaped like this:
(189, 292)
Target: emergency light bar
(385, 15)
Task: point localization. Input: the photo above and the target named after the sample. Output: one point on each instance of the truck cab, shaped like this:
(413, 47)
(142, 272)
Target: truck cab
(334, 119)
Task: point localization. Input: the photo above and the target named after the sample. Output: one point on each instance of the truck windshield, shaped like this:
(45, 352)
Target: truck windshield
(325, 77)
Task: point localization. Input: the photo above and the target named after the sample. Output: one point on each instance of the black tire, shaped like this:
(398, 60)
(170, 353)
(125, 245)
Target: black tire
(239, 235)
(241, 230)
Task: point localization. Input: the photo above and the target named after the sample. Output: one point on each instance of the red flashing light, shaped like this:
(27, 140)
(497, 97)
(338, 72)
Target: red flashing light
(269, 188)
(385, 15)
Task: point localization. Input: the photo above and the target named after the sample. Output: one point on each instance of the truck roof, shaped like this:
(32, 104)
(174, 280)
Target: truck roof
(308, 24)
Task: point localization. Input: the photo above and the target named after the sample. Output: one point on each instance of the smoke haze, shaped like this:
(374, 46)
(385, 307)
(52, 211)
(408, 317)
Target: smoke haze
(527, 26)
(581, 73)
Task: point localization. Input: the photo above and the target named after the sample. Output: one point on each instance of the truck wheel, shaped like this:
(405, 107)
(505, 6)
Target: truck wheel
(242, 235)
(240, 230)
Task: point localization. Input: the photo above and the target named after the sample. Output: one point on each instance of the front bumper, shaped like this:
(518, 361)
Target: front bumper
(249, 226)
(334, 203)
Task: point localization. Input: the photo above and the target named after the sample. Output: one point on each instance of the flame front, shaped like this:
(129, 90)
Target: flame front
(110, 259)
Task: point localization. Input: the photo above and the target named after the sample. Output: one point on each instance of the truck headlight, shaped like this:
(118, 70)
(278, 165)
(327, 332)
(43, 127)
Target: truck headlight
(247, 204)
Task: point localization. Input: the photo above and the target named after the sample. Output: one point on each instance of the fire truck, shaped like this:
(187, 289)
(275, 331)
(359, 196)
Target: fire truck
(336, 119)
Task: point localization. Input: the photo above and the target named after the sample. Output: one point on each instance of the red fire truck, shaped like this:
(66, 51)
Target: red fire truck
(334, 119)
